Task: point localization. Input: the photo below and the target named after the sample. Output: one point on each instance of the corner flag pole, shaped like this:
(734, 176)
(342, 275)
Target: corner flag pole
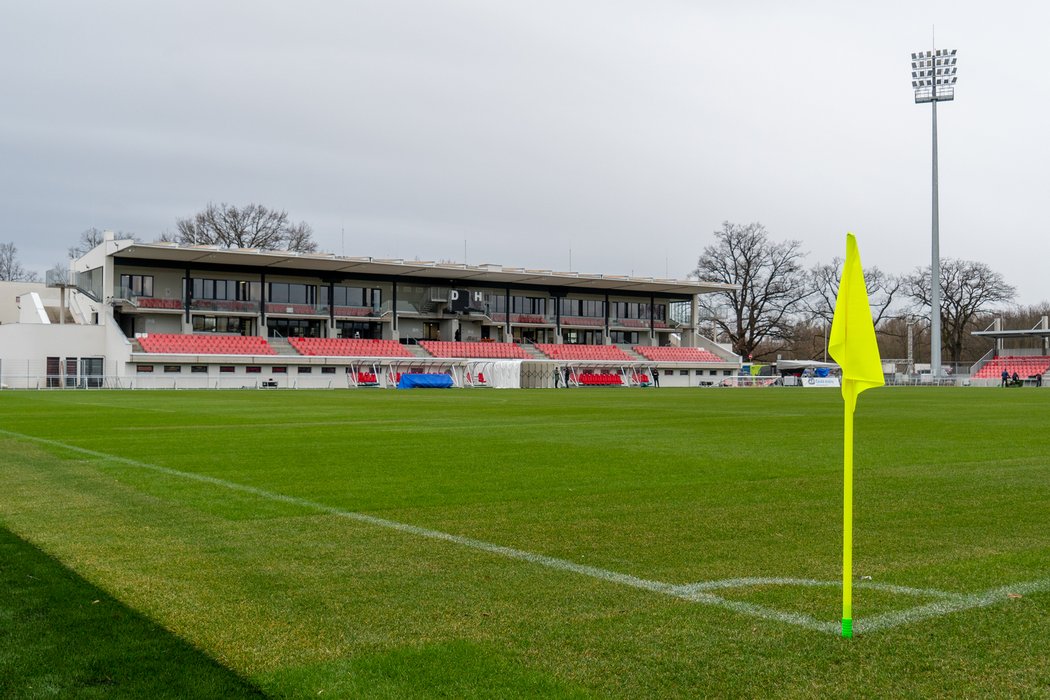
(853, 346)
(847, 525)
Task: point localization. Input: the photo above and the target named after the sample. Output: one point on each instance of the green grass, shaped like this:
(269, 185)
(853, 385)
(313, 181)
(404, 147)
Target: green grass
(63, 637)
(678, 486)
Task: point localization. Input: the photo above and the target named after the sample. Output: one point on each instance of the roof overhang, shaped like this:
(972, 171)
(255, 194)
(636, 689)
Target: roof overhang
(1033, 333)
(439, 273)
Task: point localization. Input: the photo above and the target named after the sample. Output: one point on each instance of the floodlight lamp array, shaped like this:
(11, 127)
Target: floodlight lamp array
(933, 75)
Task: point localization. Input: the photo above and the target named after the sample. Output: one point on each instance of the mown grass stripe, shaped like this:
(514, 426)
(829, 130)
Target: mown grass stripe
(694, 592)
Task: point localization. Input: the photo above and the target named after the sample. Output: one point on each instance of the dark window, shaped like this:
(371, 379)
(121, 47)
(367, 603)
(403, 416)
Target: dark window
(328, 370)
(594, 308)
(279, 370)
(535, 306)
(289, 293)
(294, 327)
(199, 369)
(356, 296)
(54, 372)
(305, 370)
(683, 372)
(172, 369)
(233, 290)
(143, 369)
(220, 324)
(496, 303)
(253, 369)
(140, 285)
(226, 369)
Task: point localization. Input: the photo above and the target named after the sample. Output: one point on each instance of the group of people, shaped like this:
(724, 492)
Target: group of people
(1015, 380)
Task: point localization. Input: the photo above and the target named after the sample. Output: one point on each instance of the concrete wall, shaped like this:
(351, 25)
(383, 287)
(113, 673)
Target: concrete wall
(10, 291)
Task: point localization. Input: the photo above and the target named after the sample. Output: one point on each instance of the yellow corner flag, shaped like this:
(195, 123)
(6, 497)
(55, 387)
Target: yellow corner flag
(852, 345)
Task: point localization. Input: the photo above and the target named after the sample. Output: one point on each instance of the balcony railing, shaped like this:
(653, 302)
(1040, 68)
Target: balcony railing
(588, 321)
(227, 305)
(281, 307)
(355, 311)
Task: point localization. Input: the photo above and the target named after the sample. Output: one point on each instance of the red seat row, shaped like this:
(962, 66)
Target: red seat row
(205, 344)
(367, 378)
(1024, 365)
(676, 354)
(445, 348)
(584, 352)
(349, 347)
(600, 380)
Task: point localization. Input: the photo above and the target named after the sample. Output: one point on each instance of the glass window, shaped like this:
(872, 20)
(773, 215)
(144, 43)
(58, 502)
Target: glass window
(239, 290)
(143, 369)
(279, 370)
(289, 293)
(199, 369)
(328, 370)
(140, 285)
(305, 370)
(253, 369)
(172, 369)
(227, 369)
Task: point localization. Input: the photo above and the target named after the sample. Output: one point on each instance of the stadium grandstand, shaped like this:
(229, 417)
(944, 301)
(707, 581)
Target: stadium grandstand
(141, 315)
(1024, 352)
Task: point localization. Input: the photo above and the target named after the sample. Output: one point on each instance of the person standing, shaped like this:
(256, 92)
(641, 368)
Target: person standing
(1006, 378)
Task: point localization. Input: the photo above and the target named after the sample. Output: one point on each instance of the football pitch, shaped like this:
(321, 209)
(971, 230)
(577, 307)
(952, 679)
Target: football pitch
(479, 543)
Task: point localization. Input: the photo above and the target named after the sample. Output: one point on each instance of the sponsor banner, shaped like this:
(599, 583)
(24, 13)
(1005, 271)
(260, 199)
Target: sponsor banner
(820, 381)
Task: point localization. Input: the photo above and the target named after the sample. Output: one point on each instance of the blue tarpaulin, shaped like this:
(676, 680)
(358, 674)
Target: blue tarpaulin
(424, 381)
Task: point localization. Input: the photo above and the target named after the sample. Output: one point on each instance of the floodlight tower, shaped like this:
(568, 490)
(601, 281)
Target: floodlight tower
(933, 79)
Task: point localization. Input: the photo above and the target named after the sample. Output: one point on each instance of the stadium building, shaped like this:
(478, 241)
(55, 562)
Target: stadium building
(144, 315)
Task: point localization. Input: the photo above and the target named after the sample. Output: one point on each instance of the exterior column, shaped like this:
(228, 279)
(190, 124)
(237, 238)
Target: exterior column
(395, 332)
(331, 310)
(606, 338)
(262, 305)
(507, 335)
(689, 338)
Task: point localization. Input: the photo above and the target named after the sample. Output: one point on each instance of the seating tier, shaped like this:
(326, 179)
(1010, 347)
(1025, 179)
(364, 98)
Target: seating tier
(584, 352)
(444, 348)
(349, 347)
(1024, 365)
(676, 354)
(205, 344)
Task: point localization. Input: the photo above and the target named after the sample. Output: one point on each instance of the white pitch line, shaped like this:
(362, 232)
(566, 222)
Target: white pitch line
(814, 583)
(944, 607)
(695, 592)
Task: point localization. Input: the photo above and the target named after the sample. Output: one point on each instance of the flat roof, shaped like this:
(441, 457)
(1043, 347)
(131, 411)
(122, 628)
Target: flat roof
(1032, 333)
(488, 274)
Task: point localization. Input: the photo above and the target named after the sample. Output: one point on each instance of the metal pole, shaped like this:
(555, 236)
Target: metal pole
(935, 265)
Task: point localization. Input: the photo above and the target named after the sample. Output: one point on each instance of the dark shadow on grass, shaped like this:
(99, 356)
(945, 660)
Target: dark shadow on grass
(61, 636)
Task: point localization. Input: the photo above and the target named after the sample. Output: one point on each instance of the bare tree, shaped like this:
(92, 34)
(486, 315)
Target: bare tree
(968, 289)
(92, 237)
(252, 226)
(883, 289)
(11, 269)
(772, 284)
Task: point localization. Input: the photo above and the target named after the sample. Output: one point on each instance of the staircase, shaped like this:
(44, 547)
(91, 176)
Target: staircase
(281, 346)
(630, 351)
(417, 350)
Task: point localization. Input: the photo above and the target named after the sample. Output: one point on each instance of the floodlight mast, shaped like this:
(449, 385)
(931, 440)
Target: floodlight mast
(933, 76)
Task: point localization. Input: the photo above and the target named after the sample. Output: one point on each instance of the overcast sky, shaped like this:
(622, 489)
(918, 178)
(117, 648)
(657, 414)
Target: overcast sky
(624, 132)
